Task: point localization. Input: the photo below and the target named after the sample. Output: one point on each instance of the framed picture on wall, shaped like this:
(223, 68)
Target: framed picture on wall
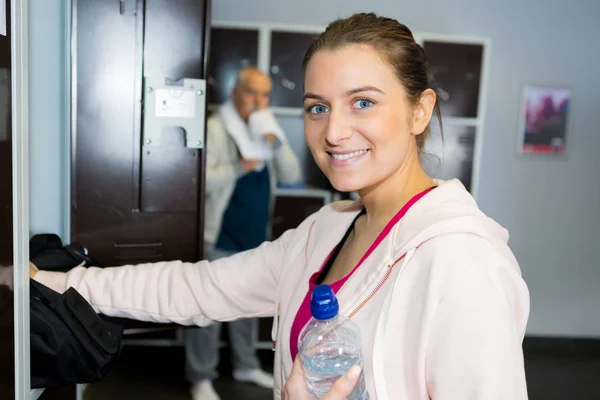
(287, 52)
(544, 120)
(230, 50)
(452, 157)
(455, 74)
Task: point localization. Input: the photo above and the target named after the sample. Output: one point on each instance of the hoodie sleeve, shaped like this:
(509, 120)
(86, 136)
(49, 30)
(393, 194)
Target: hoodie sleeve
(241, 286)
(475, 347)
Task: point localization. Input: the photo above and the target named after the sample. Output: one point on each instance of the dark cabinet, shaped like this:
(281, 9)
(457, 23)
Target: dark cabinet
(134, 199)
(7, 355)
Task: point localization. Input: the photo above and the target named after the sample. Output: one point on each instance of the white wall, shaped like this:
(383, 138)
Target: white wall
(551, 207)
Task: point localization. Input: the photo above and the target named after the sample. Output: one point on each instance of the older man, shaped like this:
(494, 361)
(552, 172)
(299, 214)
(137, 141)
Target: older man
(237, 205)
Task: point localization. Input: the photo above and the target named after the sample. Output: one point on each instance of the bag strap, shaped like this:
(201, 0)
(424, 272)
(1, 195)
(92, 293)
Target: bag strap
(289, 259)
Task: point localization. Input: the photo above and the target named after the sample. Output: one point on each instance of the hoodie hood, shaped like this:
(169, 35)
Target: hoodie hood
(448, 209)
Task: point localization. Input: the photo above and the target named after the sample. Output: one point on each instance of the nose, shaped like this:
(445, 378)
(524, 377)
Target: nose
(338, 129)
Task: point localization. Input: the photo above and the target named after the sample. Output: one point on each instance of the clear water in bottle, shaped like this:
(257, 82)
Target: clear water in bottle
(329, 346)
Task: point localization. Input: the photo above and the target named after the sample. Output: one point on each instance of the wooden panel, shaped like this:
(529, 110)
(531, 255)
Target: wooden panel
(173, 48)
(129, 206)
(290, 211)
(103, 145)
(6, 231)
(61, 393)
(7, 355)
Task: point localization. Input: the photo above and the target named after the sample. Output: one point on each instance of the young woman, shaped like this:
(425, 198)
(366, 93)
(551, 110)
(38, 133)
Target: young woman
(428, 278)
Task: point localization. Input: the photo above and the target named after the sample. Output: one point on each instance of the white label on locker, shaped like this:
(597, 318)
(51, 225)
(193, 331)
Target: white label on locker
(175, 103)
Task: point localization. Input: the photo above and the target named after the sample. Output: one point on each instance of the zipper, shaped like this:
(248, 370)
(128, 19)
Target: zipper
(371, 295)
(376, 288)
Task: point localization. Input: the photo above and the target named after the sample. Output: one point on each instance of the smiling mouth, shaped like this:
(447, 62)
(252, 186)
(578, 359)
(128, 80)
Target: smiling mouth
(347, 156)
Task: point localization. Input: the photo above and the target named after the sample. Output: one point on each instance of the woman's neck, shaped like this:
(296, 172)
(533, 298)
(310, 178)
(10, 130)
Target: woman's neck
(383, 200)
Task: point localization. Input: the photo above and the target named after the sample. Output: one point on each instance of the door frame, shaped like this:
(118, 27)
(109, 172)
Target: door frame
(20, 195)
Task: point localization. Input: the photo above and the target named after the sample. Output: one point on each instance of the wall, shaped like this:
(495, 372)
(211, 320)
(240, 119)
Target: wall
(551, 207)
(47, 128)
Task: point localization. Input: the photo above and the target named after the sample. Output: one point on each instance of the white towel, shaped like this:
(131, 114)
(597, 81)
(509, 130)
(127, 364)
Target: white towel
(249, 137)
(264, 122)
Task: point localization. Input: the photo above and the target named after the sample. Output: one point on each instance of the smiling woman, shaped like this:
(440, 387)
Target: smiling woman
(368, 103)
(428, 278)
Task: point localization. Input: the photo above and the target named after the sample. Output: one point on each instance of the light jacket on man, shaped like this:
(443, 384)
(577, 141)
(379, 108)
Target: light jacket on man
(223, 169)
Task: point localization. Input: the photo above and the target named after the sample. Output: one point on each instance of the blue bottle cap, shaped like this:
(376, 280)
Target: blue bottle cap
(324, 304)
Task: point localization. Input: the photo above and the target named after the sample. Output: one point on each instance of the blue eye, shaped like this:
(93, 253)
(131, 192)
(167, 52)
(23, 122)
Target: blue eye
(363, 103)
(317, 109)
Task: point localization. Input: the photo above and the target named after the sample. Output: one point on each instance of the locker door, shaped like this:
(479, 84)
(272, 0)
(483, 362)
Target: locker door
(134, 198)
(7, 355)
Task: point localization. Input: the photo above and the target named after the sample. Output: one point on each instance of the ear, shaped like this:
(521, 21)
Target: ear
(423, 111)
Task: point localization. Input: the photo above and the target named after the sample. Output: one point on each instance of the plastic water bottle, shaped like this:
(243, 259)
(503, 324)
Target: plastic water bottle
(329, 346)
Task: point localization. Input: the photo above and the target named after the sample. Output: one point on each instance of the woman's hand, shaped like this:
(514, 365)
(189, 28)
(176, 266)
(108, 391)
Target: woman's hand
(295, 387)
(32, 269)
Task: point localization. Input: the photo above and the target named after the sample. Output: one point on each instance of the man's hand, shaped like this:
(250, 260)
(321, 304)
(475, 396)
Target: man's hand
(249, 165)
(269, 138)
(295, 387)
(32, 269)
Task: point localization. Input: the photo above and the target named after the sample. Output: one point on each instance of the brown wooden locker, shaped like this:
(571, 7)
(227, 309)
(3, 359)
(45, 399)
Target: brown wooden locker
(134, 201)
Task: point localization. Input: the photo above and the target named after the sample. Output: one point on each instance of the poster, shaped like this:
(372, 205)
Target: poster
(543, 128)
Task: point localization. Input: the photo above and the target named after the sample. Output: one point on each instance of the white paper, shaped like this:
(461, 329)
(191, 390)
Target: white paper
(3, 17)
(175, 103)
(263, 122)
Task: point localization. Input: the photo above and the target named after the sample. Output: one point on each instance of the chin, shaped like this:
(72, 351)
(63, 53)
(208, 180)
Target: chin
(345, 185)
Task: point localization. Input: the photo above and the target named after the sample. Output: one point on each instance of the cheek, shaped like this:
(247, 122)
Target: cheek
(388, 132)
(389, 136)
(312, 133)
(314, 137)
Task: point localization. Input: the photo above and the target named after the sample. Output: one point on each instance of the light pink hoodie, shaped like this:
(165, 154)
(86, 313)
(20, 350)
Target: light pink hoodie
(440, 303)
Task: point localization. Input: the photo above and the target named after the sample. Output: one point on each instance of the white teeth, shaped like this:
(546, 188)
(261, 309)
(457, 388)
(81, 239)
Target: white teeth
(342, 157)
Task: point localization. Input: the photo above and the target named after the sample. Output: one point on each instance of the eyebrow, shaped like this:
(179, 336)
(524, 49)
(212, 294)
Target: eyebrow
(348, 93)
(363, 89)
